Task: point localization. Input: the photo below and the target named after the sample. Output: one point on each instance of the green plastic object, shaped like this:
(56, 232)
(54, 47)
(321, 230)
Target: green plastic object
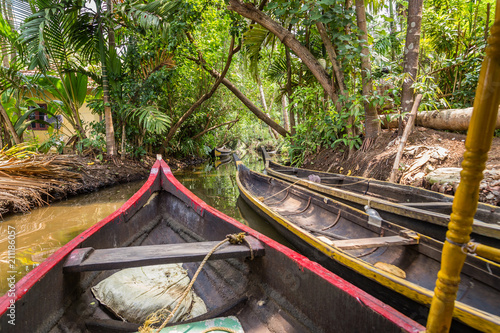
(231, 323)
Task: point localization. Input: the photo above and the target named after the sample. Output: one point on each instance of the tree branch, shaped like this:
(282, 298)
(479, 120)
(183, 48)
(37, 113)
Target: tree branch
(247, 102)
(203, 98)
(214, 127)
(287, 38)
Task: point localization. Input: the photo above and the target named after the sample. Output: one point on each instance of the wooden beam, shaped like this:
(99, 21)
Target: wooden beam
(365, 243)
(436, 204)
(88, 259)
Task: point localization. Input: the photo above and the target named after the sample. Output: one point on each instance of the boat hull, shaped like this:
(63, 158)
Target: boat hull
(281, 290)
(424, 211)
(411, 295)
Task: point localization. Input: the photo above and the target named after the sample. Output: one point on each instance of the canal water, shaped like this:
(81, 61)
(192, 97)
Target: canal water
(44, 230)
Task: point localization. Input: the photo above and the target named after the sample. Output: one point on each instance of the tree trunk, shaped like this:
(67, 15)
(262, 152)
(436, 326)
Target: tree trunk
(287, 38)
(9, 125)
(289, 90)
(124, 138)
(286, 122)
(262, 97)
(332, 55)
(410, 63)
(108, 117)
(7, 13)
(372, 124)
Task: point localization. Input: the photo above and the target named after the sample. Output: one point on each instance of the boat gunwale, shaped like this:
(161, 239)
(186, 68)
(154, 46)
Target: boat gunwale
(420, 294)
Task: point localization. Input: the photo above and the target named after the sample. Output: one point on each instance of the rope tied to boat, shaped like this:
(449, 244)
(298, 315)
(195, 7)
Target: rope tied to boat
(153, 318)
(467, 248)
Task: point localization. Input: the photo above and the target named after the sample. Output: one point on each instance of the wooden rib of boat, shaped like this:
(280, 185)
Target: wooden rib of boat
(424, 211)
(220, 152)
(395, 264)
(278, 291)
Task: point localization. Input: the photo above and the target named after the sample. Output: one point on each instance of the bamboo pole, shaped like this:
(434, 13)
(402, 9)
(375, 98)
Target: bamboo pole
(408, 128)
(477, 145)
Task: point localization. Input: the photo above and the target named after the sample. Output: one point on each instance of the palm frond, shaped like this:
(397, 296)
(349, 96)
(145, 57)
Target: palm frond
(277, 72)
(152, 119)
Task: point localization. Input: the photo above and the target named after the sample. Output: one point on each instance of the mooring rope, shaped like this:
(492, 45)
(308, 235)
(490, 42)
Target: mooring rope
(232, 239)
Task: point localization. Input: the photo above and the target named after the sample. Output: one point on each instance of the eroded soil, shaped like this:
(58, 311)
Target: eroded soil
(378, 161)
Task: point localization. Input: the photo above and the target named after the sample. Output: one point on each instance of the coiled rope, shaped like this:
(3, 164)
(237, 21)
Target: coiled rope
(232, 239)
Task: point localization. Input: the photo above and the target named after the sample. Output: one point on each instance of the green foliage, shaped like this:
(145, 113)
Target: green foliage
(55, 140)
(95, 141)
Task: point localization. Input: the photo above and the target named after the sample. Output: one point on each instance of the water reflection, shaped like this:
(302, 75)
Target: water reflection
(44, 230)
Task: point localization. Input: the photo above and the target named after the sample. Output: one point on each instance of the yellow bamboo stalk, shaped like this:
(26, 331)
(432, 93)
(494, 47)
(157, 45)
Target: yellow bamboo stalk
(477, 145)
(487, 252)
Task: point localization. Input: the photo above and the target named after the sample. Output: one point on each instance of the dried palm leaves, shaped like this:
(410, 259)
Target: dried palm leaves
(26, 178)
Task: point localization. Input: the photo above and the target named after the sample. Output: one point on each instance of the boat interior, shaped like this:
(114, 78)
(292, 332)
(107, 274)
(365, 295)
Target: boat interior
(389, 248)
(270, 293)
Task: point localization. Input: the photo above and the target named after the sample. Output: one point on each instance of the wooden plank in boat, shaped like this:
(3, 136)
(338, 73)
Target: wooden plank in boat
(436, 204)
(364, 243)
(88, 259)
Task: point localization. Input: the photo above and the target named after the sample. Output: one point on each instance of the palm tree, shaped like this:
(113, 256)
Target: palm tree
(53, 35)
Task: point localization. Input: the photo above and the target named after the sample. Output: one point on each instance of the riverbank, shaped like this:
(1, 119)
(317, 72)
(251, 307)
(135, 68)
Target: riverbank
(90, 175)
(426, 152)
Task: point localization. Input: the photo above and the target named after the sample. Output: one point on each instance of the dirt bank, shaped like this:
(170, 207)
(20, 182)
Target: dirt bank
(426, 150)
(94, 174)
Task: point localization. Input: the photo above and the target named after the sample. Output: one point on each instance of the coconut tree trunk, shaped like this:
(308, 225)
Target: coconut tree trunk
(9, 125)
(410, 63)
(7, 13)
(372, 124)
(108, 117)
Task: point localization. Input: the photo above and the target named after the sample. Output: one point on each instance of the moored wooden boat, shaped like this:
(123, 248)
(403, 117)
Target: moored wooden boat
(424, 211)
(222, 160)
(395, 264)
(220, 152)
(278, 291)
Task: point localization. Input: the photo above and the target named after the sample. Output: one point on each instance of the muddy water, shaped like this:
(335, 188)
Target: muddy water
(44, 230)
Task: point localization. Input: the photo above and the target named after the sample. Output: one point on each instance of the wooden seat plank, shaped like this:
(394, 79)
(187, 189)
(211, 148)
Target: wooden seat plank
(365, 243)
(89, 259)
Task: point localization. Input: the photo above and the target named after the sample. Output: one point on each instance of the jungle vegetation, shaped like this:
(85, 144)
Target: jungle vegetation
(180, 77)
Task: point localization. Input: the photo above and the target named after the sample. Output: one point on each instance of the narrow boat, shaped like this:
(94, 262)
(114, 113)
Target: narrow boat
(424, 211)
(219, 152)
(257, 286)
(393, 263)
(222, 160)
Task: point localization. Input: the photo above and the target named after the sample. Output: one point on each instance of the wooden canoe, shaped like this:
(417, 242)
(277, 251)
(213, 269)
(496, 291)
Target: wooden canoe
(220, 152)
(394, 264)
(278, 291)
(424, 211)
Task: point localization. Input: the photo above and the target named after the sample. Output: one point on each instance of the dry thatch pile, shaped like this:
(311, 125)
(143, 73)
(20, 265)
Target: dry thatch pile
(28, 178)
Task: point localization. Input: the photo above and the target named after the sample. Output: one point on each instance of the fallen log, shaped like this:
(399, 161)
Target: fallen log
(452, 119)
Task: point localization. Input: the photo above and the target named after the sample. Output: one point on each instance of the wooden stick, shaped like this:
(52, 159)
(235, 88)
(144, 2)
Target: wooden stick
(406, 133)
